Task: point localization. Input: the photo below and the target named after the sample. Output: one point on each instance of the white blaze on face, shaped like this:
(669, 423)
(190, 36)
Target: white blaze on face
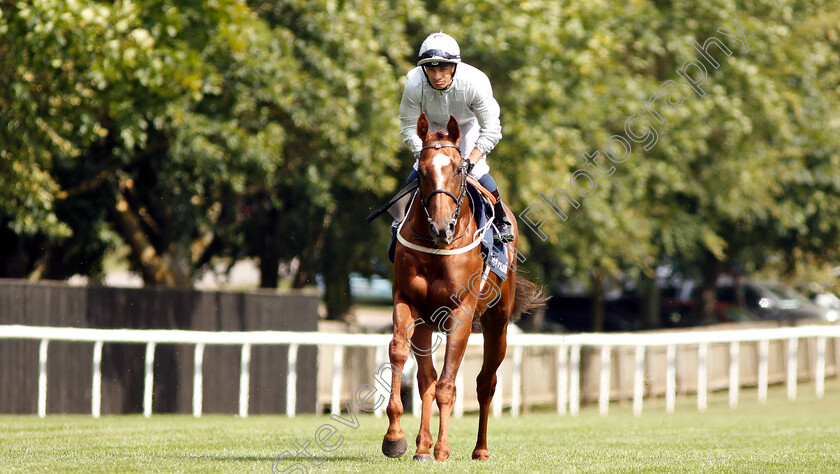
(439, 161)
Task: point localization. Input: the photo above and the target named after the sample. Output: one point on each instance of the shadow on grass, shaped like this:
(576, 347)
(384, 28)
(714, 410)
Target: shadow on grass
(221, 458)
(250, 458)
(304, 459)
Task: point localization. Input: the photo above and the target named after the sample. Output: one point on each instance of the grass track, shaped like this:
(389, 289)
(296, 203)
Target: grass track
(780, 436)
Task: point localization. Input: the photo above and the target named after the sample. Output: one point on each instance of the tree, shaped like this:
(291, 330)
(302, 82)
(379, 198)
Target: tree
(212, 123)
(192, 132)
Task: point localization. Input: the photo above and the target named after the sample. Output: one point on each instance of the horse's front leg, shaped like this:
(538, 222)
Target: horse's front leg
(456, 345)
(394, 444)
(421, 346)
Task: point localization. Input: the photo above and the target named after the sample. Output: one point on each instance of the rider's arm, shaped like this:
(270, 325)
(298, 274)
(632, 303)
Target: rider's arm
(475, 155)
(487, 112)
(410, 108)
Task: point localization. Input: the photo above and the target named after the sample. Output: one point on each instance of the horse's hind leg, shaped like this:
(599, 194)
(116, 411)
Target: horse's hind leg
(494, 328)
(394, 444)
(426, 379)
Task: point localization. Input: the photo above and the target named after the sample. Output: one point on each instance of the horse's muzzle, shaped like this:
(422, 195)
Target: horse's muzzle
(442, 232)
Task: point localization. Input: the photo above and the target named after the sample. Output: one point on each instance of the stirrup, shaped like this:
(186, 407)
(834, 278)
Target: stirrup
(505, 231)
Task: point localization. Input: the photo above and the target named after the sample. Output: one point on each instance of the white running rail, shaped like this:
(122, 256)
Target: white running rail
(568, 359)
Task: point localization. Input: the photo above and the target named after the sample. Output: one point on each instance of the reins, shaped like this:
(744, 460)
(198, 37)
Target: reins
(436, 251)
(424, 200)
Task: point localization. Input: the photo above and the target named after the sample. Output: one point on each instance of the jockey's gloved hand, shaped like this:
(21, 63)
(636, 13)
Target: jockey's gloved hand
(470, 166)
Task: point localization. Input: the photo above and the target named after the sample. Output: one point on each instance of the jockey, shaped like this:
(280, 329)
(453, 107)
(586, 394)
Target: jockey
(441, 85)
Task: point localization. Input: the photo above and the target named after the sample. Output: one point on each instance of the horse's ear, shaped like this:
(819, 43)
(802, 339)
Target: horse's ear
(422, 126)
(453, 129)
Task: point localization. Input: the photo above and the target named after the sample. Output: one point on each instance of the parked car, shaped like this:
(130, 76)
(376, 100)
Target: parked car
(372, 288)
(761, 301)
(830, 301)
(678, 306)
(774, 301)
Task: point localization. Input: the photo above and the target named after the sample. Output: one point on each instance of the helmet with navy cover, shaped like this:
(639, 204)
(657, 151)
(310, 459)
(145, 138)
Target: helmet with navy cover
(438, 49)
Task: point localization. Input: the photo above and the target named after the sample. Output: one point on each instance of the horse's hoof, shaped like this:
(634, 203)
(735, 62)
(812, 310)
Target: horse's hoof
(394, 449)
(423, 457)
(481, 454)
(442, 454)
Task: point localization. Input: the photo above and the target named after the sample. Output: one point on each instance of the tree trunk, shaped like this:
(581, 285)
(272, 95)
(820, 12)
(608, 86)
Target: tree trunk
(311, 254)
(172, 268)
(705, 308)
(269, 270)
(738, 286)
(270, 251)
(597, 300)
(651, 302)
(337, 296)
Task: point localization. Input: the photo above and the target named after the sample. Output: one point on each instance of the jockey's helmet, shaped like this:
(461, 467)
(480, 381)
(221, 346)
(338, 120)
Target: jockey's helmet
(438, 49)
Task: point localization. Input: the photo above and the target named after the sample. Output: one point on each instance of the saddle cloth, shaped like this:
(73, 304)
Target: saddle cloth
(481, 201)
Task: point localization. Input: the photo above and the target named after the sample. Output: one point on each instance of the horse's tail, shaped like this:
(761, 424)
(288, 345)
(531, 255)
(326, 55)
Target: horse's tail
(528, 296)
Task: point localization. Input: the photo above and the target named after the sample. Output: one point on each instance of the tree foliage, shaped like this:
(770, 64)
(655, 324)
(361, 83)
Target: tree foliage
(192, 131)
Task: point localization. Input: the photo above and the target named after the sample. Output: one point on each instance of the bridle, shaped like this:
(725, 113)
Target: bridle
(424, 200)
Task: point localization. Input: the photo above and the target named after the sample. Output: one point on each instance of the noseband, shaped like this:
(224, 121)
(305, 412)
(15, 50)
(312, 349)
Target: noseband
(459, 199)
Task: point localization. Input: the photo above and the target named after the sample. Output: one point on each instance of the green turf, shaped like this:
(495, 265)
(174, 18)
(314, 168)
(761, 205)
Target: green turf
(779, 436)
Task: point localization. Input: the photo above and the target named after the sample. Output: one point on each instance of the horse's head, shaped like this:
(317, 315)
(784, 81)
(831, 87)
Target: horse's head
(442, 178)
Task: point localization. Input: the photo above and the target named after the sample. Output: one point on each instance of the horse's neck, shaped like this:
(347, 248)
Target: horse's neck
(466, 221)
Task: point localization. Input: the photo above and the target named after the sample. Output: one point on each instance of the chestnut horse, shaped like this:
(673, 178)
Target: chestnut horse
(438, 283)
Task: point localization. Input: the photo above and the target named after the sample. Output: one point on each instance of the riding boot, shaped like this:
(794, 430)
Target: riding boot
(502, 223)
